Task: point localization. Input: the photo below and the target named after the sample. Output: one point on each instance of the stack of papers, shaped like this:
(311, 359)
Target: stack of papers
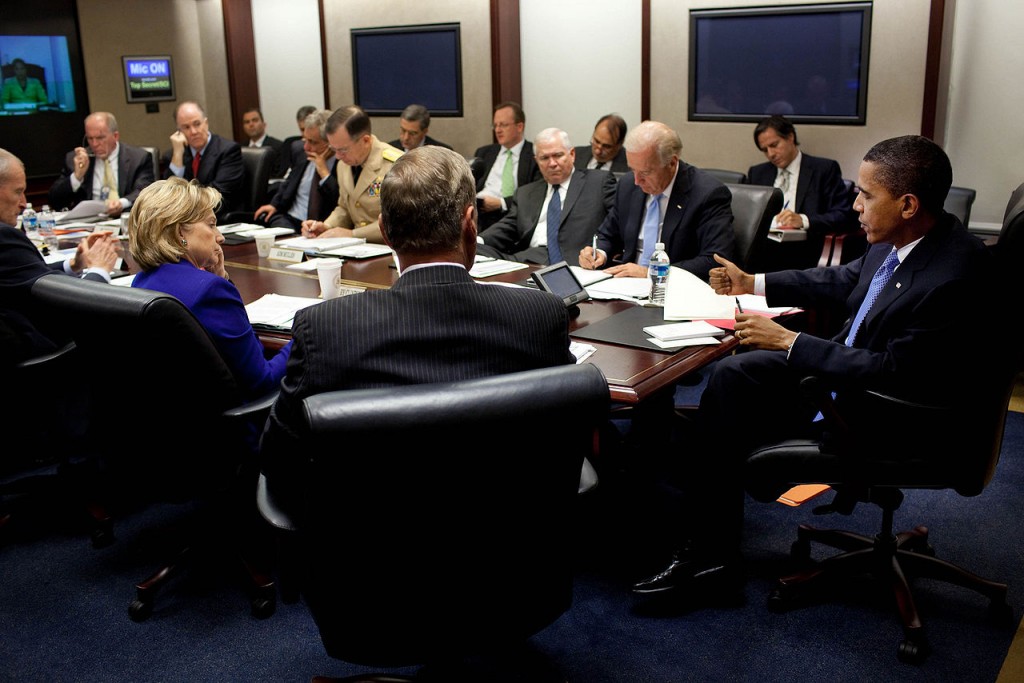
(491, 267)
(625, 288)
(690, 298)
(589, 277)
(276, 312)
(358, 251)
(695, 333)
(319, 244)
(787, 234)
(581, 351)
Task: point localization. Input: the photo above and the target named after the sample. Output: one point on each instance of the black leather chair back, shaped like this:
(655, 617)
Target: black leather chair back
(154, 156)
(477, 167)
(258, 163)
(753, 208)
(438, 517)
(729, 177)
(959, 201)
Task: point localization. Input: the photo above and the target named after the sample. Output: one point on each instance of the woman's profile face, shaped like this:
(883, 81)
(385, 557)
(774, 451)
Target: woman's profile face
(204, 240)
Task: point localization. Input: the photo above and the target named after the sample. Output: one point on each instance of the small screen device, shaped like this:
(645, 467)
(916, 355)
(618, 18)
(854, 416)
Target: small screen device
(560, 281)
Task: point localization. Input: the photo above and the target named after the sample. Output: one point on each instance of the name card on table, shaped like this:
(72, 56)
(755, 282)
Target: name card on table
(287, 255)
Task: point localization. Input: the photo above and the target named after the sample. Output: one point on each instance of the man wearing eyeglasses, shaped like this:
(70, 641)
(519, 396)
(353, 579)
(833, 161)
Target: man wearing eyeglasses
(550, 220)
(605, 151)
(662, 199)
(103, 168)
(508, 164)
(365, 161)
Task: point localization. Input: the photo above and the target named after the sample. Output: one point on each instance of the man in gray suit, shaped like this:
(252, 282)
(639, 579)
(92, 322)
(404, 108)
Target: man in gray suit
(435, 324)
(567, 204)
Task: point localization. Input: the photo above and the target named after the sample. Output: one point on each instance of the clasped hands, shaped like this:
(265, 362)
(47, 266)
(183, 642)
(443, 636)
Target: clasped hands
(756, 331)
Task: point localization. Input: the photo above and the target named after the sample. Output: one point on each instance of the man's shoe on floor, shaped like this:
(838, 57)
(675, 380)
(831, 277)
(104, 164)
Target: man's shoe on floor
(702, 579)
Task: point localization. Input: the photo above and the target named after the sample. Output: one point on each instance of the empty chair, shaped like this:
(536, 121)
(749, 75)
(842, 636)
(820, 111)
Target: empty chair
(753, 208)
(440, 529)
(728, 177)
(154, 156)
(258, 163)
(959, 201)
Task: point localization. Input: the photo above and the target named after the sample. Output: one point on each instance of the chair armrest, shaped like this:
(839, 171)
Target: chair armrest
(45, 359)
(256, 408)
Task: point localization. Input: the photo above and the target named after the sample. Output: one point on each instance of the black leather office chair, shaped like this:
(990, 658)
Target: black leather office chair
(180, 430)
(753, 208)
(258, 163)
(154, 156)
(959, 201)
(435, 521)
(477, 167)
(727, 177)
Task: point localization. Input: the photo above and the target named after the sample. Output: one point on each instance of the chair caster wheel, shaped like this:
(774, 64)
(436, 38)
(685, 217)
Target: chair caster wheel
(912, 652)
(263, 607)
(139, 610)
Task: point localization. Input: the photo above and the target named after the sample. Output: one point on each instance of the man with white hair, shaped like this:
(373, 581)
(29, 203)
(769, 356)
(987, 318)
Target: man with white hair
(550, 220)
(663, 199)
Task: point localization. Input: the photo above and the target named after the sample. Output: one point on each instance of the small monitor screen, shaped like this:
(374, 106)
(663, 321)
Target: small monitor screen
(36, 75)
(560, 281)
(148, 79)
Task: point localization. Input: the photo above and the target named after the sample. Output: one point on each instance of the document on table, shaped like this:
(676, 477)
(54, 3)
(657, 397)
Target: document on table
(88, 208)
(625, 288)
(690, 298)
(787, 234)
(589, 277)
(319, 244)
(359, 251)
(686, 330)
(494, 267)
(275, 311)
(581, 351)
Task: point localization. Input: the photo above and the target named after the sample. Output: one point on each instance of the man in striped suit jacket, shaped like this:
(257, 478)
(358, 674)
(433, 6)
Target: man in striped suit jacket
(436, 324)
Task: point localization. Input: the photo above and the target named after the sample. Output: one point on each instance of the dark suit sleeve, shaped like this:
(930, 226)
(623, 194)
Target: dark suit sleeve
(715, 235)
(832, 211)
(609, 234)
(61, 194)
(505, 234)
(229, 175)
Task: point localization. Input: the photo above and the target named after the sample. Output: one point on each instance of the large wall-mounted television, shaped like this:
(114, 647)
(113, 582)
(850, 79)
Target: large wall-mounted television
(44, 100)
(806, 62)
(148, 78)
(395, 66)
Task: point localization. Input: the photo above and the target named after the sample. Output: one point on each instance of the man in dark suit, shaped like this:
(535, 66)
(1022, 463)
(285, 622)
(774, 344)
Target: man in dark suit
(114, 173)
(814, 196)
(496, 186)
(584, 198)
(256, 130)
(196, 153)
(605, 151)
(413, 127)
(931, 281)
(311, 190)
(21, 263)
(435, 324)
(692, 213)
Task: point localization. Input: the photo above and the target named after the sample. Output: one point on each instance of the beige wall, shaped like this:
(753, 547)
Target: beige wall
(895, 88)
(191, 31)
(465, 134)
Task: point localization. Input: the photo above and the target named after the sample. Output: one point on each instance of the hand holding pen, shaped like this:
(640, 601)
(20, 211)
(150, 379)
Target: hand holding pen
(590, 257)
(788, 219)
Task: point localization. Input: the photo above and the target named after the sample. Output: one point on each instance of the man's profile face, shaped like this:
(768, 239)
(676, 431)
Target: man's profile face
(193, 125)
(99, 138)
(311, 141)
(254, 125)
(507, 132)
(880, 214)
(604, 145)
(780, 151)
(350, 152)
(650, 175)
(411, 134)
(555, 160)
(12, 194)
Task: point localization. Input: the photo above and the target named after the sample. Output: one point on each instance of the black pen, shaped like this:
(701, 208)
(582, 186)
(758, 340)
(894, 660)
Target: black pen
(739, 306)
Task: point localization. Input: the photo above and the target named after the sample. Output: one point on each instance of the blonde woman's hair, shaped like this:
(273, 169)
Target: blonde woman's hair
(159, 210)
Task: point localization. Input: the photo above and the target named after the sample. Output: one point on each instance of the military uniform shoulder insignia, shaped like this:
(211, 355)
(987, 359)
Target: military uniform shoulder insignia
(391, 154)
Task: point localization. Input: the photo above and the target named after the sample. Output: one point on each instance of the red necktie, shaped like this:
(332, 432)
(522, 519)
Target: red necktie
(195, 166)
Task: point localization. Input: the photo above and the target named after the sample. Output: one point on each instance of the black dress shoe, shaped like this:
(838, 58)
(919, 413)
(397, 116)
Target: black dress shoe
(718, 577)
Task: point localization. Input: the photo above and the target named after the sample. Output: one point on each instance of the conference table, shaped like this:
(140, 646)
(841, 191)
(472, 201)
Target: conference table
(634, 374)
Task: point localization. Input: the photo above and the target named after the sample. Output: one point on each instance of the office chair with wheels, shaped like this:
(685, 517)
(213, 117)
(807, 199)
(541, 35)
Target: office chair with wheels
(434, 521)
(959, 201)
(258, 163)
(946, 447)
(753, 208)
(727, 177)
(181, 432)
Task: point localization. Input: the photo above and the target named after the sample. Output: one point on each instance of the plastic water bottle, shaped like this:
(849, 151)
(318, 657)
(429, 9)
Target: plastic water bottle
(29, 220)
(658, 272)
(47, 225)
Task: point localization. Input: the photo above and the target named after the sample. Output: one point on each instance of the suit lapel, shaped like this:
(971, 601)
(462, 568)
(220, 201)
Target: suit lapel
(122, 171)
(676, 202)
(572, 194)
(803, 183)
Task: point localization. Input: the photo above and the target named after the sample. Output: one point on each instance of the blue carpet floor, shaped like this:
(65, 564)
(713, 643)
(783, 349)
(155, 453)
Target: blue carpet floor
(63, 607)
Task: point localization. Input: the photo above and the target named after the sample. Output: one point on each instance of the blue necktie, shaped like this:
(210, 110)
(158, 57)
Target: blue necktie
(878, 281)
(650, 229)
(554, 217)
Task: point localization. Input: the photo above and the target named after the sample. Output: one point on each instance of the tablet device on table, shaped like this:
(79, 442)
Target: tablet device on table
(561, 281)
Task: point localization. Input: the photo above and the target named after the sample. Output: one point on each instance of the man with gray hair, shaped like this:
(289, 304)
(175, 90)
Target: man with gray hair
(551, 220)
(310, 191)
(435, 323)
(663, 199)
(413, 128)
(109, 170)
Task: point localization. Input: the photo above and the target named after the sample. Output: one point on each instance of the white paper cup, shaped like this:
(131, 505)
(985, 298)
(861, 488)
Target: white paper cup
(329, 272)
(264, 243)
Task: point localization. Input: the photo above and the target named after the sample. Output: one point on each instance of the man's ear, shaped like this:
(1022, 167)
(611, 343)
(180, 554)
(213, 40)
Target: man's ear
(909, 206)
